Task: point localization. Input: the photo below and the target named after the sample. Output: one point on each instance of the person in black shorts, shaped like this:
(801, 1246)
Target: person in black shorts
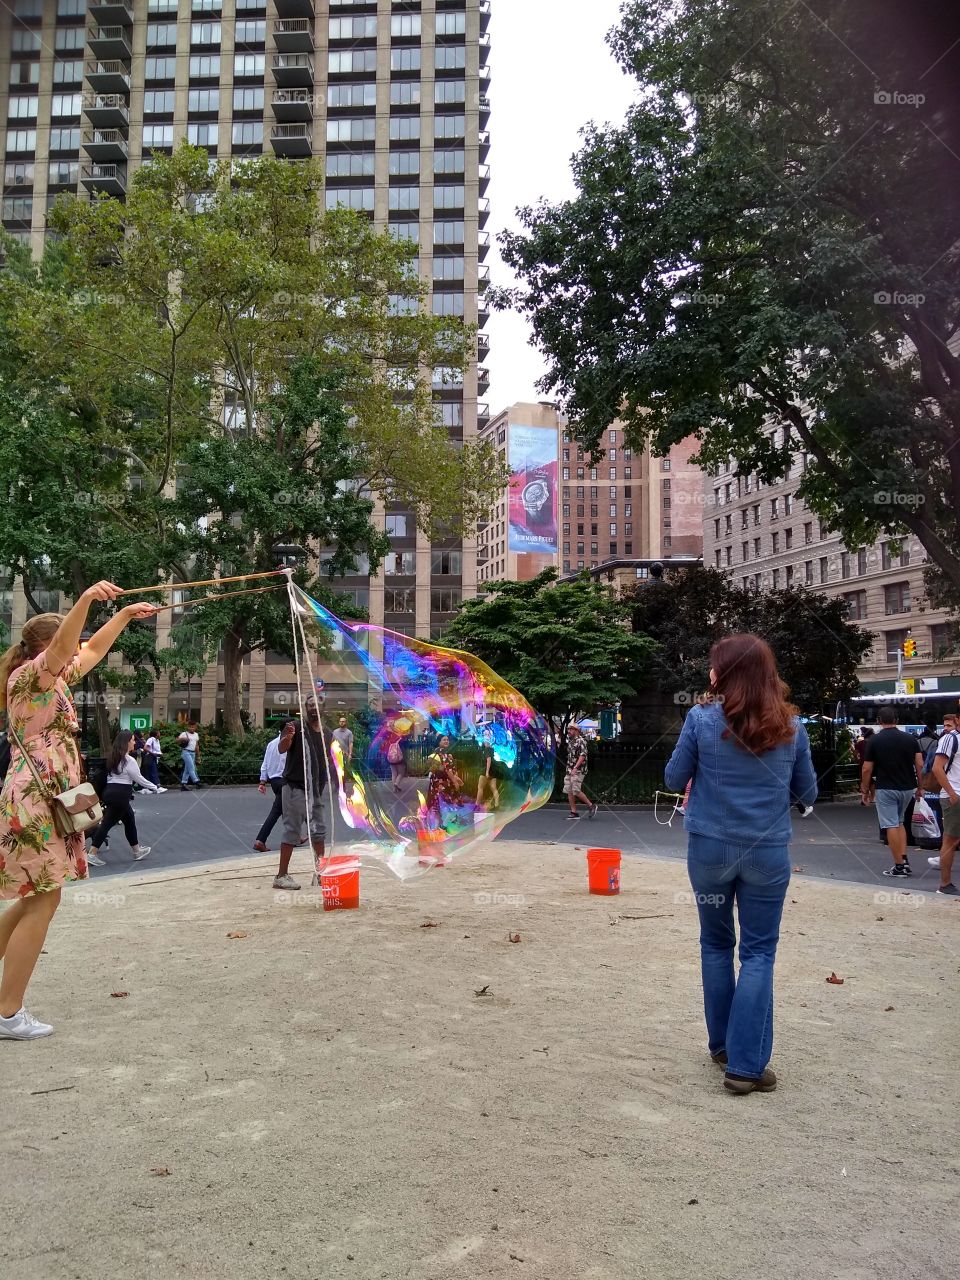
(490, 772)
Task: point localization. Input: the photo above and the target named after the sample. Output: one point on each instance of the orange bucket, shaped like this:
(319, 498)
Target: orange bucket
(603, 871)
(430, 844)
(340, 884)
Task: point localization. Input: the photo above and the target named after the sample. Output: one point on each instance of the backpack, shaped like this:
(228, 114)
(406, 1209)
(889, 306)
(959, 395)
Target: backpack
(927, 781)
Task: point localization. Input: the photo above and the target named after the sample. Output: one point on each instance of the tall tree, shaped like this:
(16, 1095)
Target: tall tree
(566, 646)
(817, 649)
(294, 482)
(771, 238)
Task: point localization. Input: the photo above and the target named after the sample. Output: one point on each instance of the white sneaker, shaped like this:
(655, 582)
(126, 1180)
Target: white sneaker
(141, 851)
(23, 1026)
(94, 860)
(285, 882)
(934, 861)
(161, 791)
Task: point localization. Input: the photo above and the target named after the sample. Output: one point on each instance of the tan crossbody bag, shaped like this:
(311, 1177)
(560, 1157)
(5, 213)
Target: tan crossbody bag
(75, 810)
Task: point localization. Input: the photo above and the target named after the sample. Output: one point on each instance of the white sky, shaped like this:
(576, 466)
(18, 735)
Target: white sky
(551, 73)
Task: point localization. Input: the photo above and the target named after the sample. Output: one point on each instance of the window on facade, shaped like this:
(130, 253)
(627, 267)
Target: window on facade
(353, 28)
(399, 599)
(894, 642)
(451, 58)
(346, 62)
(203, 66)
(158, 135)
(251, 31)
(166, 68)
(249, 64)
(450, 126)
(824, 569)
(451, 24)
(403, 59)
(856, 602)
(448, 564)
(247, 98)
(205, 134)
(896, 598)
(353, 129)
(405, 93)
(400, 564)
(158, 101)
(247, 133)
(403, 26)
(352, 95)
(944, 640)
(402, 128)
(756, 514)
(205, 33)
(445, 91)
(776, 543)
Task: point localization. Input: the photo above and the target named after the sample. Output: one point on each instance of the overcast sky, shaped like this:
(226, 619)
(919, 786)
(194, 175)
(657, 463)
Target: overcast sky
(551, 73)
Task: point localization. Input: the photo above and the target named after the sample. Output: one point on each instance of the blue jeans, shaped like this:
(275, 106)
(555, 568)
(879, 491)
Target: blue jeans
(189, 767)
(739, 1009)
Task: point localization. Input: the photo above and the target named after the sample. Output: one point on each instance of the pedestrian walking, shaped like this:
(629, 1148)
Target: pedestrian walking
(576, 772)
(396, 760)
(190, 755)
(892, 768)
(303, 785)
(491, 772)
(946, 769)
(749, 753)
(122, 775)
(139, 742)
(35, 675)
(343, 736)
(152, 751)
(271, 775)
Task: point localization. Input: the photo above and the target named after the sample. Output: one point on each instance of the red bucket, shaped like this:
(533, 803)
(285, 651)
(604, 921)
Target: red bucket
(340, 884)
(431, 847)
(603, 871)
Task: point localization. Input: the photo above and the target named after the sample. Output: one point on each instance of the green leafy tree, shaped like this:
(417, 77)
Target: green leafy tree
(566, 646)
(771, 238)
(292, 483)
(689, 610)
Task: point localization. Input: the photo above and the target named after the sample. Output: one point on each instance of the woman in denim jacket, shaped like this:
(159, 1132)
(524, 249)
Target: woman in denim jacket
(748, 756)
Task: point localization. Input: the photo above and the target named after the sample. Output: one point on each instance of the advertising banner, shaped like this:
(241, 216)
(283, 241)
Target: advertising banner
(533, 489)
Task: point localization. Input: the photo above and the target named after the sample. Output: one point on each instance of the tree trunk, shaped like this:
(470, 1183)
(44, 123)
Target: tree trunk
(98, 693)
(233, 652)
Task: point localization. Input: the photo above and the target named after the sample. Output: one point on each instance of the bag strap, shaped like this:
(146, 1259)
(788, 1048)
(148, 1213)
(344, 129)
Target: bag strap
(30, 765)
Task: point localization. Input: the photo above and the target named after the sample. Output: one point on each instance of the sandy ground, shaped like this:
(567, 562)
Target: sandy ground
(331, 1096)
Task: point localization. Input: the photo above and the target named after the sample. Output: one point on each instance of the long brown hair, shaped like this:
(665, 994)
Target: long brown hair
(754, 698)
(36, 635)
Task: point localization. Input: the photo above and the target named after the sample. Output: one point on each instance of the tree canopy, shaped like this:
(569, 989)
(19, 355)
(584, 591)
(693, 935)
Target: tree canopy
(770, 239)
(817, 649)
(566, 646)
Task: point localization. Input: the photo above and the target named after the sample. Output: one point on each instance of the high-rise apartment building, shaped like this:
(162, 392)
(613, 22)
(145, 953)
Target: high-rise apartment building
(392, 95)
(765, 537)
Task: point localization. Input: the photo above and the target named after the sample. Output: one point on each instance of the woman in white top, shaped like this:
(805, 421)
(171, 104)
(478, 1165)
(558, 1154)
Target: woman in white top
(122, 773)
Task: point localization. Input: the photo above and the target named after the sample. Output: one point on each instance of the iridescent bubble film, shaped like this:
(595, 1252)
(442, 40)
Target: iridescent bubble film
(444, 753)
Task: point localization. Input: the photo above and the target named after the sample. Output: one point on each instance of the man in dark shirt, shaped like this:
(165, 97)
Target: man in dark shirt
(893, 765)
(296, 785)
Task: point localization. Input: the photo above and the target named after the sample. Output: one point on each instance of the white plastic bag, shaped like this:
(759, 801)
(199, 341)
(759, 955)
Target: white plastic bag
(924, 823)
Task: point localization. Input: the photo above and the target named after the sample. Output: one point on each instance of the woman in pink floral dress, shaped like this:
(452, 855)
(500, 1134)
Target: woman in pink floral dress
(35, 861)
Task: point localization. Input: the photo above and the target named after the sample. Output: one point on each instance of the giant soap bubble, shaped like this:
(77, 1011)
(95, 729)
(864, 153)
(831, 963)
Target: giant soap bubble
(444, 752)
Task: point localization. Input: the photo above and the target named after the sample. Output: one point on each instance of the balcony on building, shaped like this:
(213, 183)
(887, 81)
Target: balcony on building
(483, 346)
(109, 179)
(108, 111)
(483, 379)
(291, 139)
(292, 104)
(108, 43)
(293, 70)
(293, 35)
(111, 13)
(483, 244)
(483, 177)
(105, 144)
(109, 77)
(484, 15)
(483, 141)
(483, 277)
(483, 102)
(483, 555)
(295, 8)
(483, 414)
(483, 210)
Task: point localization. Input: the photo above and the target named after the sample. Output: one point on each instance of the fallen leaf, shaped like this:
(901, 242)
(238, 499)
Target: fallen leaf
(119, 995)
(888, 1009)
(837, 982)
(514, 937)
(236, 935)
(794, 901)
(879, 917)
(799, 870)
(161, 1171)
(484, 991)
(693, 1202)
(430, 924)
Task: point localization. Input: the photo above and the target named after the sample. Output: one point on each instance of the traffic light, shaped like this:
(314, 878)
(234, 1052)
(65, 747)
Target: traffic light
(909, 648)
